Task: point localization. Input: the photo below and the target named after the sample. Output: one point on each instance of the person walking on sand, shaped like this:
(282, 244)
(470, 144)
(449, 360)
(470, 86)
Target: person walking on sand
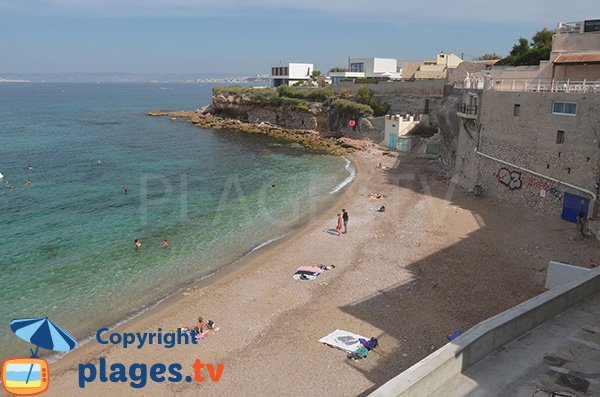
(339, 224)
(345, 218)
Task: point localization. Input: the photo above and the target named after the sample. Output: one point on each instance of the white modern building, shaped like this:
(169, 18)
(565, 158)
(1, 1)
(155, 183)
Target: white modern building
(290, 73)
(367, 67)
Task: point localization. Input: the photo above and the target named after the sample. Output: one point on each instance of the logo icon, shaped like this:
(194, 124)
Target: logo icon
(29, 376)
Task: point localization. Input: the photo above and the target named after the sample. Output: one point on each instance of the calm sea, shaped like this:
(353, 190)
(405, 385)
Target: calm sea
(66, 239)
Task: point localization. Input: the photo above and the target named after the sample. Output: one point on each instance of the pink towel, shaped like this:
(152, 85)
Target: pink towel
(312, 269)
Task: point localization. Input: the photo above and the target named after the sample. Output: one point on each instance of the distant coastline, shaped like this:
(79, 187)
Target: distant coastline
(191, 78)
(3, 80)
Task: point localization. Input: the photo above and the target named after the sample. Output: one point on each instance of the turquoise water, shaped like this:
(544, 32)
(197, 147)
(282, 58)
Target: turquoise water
(67, 239)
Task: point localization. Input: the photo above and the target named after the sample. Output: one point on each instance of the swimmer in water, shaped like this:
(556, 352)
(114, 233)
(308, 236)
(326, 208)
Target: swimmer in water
(30, 167)
(98, 162)
(165, 244)
(138, 244)
(28, 182)
(125, 190)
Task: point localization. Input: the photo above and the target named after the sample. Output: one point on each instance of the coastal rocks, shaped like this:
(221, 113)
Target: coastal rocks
(311, 139)
(242, 107)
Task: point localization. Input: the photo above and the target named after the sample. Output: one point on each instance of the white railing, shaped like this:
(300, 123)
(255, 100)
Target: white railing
(570, 27)
(533, 85)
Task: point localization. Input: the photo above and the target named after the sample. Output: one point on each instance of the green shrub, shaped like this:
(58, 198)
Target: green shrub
(267, 96)
(365, 96)
(344, 106)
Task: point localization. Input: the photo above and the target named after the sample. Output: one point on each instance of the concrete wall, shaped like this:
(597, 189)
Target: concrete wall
(577, 72)
(430, 374)
(422, 88)
(575, 42)
(381, 65)
(300, 70)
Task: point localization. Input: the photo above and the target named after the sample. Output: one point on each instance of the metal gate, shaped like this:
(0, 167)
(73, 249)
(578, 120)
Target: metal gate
(572, 205)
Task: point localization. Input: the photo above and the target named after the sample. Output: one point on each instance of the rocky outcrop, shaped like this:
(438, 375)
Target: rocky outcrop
(243, 108)
(310, 139)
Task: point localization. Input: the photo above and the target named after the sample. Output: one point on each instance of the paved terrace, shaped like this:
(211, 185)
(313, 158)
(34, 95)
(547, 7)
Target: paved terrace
(546, 346)
(562, 354)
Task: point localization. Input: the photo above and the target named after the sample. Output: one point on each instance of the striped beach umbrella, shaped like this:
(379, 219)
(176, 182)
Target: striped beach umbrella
(43, 333)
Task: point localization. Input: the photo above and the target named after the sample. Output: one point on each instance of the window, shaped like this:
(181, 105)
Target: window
(285, 71)
(516, 110)
(357, 67)
(564, 108)
(560, 137)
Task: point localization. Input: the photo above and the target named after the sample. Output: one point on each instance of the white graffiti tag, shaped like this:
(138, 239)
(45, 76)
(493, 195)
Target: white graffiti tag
(510, 179)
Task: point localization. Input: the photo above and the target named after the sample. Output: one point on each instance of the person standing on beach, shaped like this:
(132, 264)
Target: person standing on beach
(345, 217)
(339, 224)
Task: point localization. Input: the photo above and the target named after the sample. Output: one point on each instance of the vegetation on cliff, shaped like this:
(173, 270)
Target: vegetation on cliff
(354, 109)
(365, 96)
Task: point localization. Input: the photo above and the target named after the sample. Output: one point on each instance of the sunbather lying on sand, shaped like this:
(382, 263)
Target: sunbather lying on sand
(375, 196)
(200, 328)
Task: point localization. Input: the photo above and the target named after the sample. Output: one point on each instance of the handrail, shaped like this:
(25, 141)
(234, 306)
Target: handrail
(534, 85)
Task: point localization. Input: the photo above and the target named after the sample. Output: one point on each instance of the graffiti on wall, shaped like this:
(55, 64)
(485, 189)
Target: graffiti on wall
(536, 183)
(511, 179)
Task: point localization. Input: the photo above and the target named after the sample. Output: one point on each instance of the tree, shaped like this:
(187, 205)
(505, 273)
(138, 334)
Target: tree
(315, 74)
(526, 53)
(365, 96)
(490, 56)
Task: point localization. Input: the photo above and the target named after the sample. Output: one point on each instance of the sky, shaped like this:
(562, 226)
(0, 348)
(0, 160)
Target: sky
(247, 36)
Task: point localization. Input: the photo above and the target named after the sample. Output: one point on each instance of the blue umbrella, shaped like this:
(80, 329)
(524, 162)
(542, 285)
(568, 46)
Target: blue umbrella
(42, 333)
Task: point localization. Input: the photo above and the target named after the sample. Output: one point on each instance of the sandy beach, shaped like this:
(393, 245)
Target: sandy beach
(438, 260)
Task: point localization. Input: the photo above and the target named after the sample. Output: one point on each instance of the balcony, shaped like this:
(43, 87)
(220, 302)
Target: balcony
(466, 111)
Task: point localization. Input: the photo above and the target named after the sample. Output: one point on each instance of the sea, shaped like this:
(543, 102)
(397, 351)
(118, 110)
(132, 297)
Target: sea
(67, 229)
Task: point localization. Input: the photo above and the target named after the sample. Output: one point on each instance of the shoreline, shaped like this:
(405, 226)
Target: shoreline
(437, 260)
(140, 319)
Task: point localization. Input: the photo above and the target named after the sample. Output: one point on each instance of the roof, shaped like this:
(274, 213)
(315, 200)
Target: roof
(582, 57)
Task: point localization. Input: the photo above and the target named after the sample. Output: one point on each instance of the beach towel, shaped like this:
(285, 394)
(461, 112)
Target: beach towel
(343, 340)
(306, 273)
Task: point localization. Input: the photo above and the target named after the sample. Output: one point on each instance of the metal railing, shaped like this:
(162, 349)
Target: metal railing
(570, 27)
(532, 85)
(539, 85)
(466, 109)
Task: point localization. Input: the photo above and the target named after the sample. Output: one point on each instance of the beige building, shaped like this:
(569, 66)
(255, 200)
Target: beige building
(574, 65)
(531, 140)
(437, 69)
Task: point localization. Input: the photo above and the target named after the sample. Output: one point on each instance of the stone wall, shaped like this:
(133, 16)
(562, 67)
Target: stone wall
(482, 147)
(530, 139)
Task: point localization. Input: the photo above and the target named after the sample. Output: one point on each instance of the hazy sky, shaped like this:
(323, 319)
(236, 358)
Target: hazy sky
(234, 36)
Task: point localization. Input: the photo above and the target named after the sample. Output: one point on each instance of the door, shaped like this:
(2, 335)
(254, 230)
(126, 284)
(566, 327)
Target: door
(393, 141)
(572, 205)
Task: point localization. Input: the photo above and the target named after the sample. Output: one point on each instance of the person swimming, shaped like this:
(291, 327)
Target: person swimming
(138, 244)
(125, 190)
(165, 244)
